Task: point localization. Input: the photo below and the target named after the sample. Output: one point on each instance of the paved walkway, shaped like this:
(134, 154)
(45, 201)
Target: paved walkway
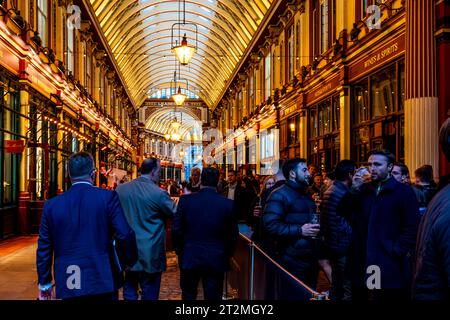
(18, 278)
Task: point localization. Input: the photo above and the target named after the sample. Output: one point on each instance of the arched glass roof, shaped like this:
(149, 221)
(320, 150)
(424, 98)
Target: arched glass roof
(160, 121)
(139, 34)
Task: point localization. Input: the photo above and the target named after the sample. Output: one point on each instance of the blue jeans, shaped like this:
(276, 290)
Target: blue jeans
(149, 283)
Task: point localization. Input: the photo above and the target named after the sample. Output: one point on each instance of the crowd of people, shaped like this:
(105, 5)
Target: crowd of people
(373, 233)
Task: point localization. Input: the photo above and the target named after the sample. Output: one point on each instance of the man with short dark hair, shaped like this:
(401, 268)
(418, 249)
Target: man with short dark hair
(287, 217)
(147, 208)
(312, 168)
(76, 232)
(236, 190)
(336, 228)
(384, 232)
(425, 187)
(204, 233)
(432, 267)
(401, 173)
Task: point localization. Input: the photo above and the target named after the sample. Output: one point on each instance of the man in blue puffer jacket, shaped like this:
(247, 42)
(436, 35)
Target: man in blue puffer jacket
(287, 216)
(336, 227)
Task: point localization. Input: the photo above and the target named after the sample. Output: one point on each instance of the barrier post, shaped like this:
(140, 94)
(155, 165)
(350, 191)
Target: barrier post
(252, 270)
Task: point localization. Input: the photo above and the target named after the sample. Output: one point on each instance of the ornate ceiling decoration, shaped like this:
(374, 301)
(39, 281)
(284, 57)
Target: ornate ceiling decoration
(139, 35)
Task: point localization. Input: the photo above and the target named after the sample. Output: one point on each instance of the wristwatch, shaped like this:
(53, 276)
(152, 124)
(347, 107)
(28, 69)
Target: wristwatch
(45, 287)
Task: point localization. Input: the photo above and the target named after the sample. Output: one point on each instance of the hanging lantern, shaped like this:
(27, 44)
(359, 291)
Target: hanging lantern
(184, 52)
(179, 97)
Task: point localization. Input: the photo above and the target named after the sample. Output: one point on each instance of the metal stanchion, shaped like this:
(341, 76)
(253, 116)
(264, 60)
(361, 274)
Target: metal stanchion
(252, 270)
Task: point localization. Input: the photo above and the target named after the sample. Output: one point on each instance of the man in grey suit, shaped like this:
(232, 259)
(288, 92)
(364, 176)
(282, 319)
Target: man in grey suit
(146, 208)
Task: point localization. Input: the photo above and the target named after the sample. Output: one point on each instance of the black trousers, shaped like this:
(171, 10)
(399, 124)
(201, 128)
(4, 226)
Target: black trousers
(212, 284)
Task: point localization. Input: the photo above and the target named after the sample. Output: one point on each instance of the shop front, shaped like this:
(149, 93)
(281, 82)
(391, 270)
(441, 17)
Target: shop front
(290, 130)
(323, 127)
(378, 99)
(11, 151)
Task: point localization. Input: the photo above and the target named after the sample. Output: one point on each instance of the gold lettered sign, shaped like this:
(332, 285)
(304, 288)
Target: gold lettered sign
(323, 90)
(376, 58)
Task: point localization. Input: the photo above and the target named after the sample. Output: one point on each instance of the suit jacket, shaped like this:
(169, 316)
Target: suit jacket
(146, 208)
(205, 231)
(76, 230)
(243, 198)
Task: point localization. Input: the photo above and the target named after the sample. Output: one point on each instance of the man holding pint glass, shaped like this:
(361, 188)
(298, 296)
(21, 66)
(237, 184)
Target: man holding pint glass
(287, 217)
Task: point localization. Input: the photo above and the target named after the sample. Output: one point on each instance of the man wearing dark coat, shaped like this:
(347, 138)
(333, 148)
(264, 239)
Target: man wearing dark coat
(76, 236)
(384, 234)
(204, 233)
(287, 217)
(432, 268)
(335, 210)
(242, 193)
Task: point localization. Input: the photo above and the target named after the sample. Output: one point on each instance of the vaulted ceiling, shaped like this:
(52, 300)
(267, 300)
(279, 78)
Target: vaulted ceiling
(139, 35)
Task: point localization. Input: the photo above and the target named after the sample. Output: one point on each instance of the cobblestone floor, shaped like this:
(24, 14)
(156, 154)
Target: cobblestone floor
(18, 279)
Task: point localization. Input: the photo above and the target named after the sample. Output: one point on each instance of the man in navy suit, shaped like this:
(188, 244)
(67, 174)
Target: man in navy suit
(204, 231)
(76, 233)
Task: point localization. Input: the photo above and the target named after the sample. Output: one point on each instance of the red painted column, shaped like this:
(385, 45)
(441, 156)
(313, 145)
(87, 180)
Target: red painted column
(443, 70)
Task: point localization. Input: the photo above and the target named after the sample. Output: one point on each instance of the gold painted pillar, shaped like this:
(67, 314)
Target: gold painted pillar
(344, 123)
(421, 102)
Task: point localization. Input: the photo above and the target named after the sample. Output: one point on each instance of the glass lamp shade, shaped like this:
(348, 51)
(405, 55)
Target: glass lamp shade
(292, 126)
(184, 52)
(175, 125)
(175, 136)
(179, 98)
(181, 153)
(167, 136)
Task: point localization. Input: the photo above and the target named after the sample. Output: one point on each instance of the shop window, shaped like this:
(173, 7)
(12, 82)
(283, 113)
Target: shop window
(385, 128)
(324, 118)
(313, 123)
(268, 139)
(88, 69)
(290, 51)
(252, 150)
(383, 92)
(293, 130)
(324, 141)
(70, 50)
(230, 158)
(401, 70)
(324, 25)
(251, 92)
(42, 15)
(280, 60)
(9, 125)
(267, 75)
(361, 102)
(240, 154)
(239, 106)
(336, 113)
